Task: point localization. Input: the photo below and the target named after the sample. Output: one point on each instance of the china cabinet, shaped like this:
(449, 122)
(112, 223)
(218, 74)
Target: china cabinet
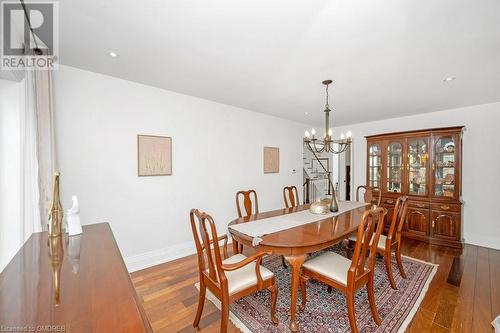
(425, 165)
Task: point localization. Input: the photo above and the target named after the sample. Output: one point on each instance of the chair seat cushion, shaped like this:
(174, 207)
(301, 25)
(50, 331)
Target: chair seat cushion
(381, 241)
(245, 276)
(331, 265)
(353, 237)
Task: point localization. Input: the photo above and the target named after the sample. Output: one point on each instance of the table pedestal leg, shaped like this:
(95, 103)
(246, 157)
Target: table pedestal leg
(295, 264)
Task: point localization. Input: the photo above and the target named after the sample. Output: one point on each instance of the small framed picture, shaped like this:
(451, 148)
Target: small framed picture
(154, 155)
(271, 160)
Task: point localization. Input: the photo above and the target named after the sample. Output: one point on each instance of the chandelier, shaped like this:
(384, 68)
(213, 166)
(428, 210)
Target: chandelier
(327, 144)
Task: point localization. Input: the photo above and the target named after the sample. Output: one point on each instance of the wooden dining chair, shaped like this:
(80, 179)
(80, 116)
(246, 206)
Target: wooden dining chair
(349, 275)
(250, 206)
(392, 242)
(291, 196)
(371, 195)
(229, 279)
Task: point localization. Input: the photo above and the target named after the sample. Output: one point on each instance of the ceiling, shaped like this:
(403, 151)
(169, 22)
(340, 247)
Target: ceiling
(386, 58)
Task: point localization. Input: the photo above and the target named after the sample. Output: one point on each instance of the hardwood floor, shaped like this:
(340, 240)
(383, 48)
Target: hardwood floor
(464, 296)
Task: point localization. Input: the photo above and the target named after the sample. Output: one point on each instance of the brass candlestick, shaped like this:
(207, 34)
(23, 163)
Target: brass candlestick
(55, 210)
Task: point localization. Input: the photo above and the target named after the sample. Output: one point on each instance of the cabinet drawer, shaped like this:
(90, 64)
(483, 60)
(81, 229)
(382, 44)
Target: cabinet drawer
(418, 204)
(388, 202)
(445, 207)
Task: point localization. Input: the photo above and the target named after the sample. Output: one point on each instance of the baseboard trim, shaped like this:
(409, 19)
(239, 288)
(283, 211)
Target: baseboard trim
(482, 241)
(159, 256)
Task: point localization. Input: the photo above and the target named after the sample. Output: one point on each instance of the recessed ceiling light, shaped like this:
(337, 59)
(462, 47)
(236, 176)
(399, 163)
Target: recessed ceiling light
(449, 79)
(306, 113)
(112, 54)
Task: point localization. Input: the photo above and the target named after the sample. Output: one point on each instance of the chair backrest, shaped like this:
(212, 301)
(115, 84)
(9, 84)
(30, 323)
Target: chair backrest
(371, 220)
(290, 196)
(398, 220)
(247, 202)
(372, 195)
(207, 246)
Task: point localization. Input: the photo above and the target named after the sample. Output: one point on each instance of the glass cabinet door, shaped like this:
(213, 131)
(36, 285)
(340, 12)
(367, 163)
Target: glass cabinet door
(444, 167)
(374, 165)
(394, 167)
(418, 159)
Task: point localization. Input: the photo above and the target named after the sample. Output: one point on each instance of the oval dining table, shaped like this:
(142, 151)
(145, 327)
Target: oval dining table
(297, 242)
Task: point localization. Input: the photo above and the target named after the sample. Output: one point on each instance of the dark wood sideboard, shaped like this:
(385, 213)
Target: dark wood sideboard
(425, 165)
(74, 284)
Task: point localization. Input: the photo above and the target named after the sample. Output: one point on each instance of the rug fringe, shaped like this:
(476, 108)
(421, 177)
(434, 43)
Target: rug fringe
(419, 260)
(232, 317)
(420, 298)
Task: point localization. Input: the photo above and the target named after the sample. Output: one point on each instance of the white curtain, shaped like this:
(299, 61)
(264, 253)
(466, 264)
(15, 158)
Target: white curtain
(30, 194)
(37, 151)
(46, 139)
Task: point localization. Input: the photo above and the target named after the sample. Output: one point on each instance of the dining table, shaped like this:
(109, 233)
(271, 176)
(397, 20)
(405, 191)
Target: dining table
(307, 233)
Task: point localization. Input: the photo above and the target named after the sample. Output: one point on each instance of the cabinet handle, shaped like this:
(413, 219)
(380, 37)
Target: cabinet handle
(445, 207)
(389, 201)
(434, 224)
(421, 205)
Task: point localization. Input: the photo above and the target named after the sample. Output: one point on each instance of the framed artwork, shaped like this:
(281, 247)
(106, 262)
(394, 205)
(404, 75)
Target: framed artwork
(154, 155)
(271, 160)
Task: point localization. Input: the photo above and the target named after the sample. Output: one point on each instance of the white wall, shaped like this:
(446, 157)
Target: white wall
(481, 161)
(217, 150)
(11, 96)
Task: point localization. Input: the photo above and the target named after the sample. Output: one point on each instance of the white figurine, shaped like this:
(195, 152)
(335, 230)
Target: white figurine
(74, 225)
(74, 252)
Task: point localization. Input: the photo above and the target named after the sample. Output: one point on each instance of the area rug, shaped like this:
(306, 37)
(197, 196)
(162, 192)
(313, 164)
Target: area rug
(327, 312)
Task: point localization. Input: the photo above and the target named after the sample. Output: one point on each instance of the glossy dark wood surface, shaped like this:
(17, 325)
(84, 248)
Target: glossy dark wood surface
(304, 237)
(95, 290)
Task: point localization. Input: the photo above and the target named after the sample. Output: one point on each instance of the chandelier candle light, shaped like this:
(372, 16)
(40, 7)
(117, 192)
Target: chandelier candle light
(327, 145)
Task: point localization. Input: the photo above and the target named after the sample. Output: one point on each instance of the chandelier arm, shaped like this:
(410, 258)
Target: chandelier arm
(317, 159)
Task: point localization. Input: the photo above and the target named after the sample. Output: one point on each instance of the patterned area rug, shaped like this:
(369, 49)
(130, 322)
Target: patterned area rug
(327, 312)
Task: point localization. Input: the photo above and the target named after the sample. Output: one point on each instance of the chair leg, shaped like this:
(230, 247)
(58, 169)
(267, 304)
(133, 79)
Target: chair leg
(350, 311)
(201, 303)
(224, 315)
(371, 299)
(388, 268)
(283, 262)
(240, 250)
(274, 298)
(398, 260)
(302, 282)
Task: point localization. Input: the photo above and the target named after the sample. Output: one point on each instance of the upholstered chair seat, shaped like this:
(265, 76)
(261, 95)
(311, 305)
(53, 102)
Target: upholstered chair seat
(330, 265)
(243, 277)
(381, 240)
